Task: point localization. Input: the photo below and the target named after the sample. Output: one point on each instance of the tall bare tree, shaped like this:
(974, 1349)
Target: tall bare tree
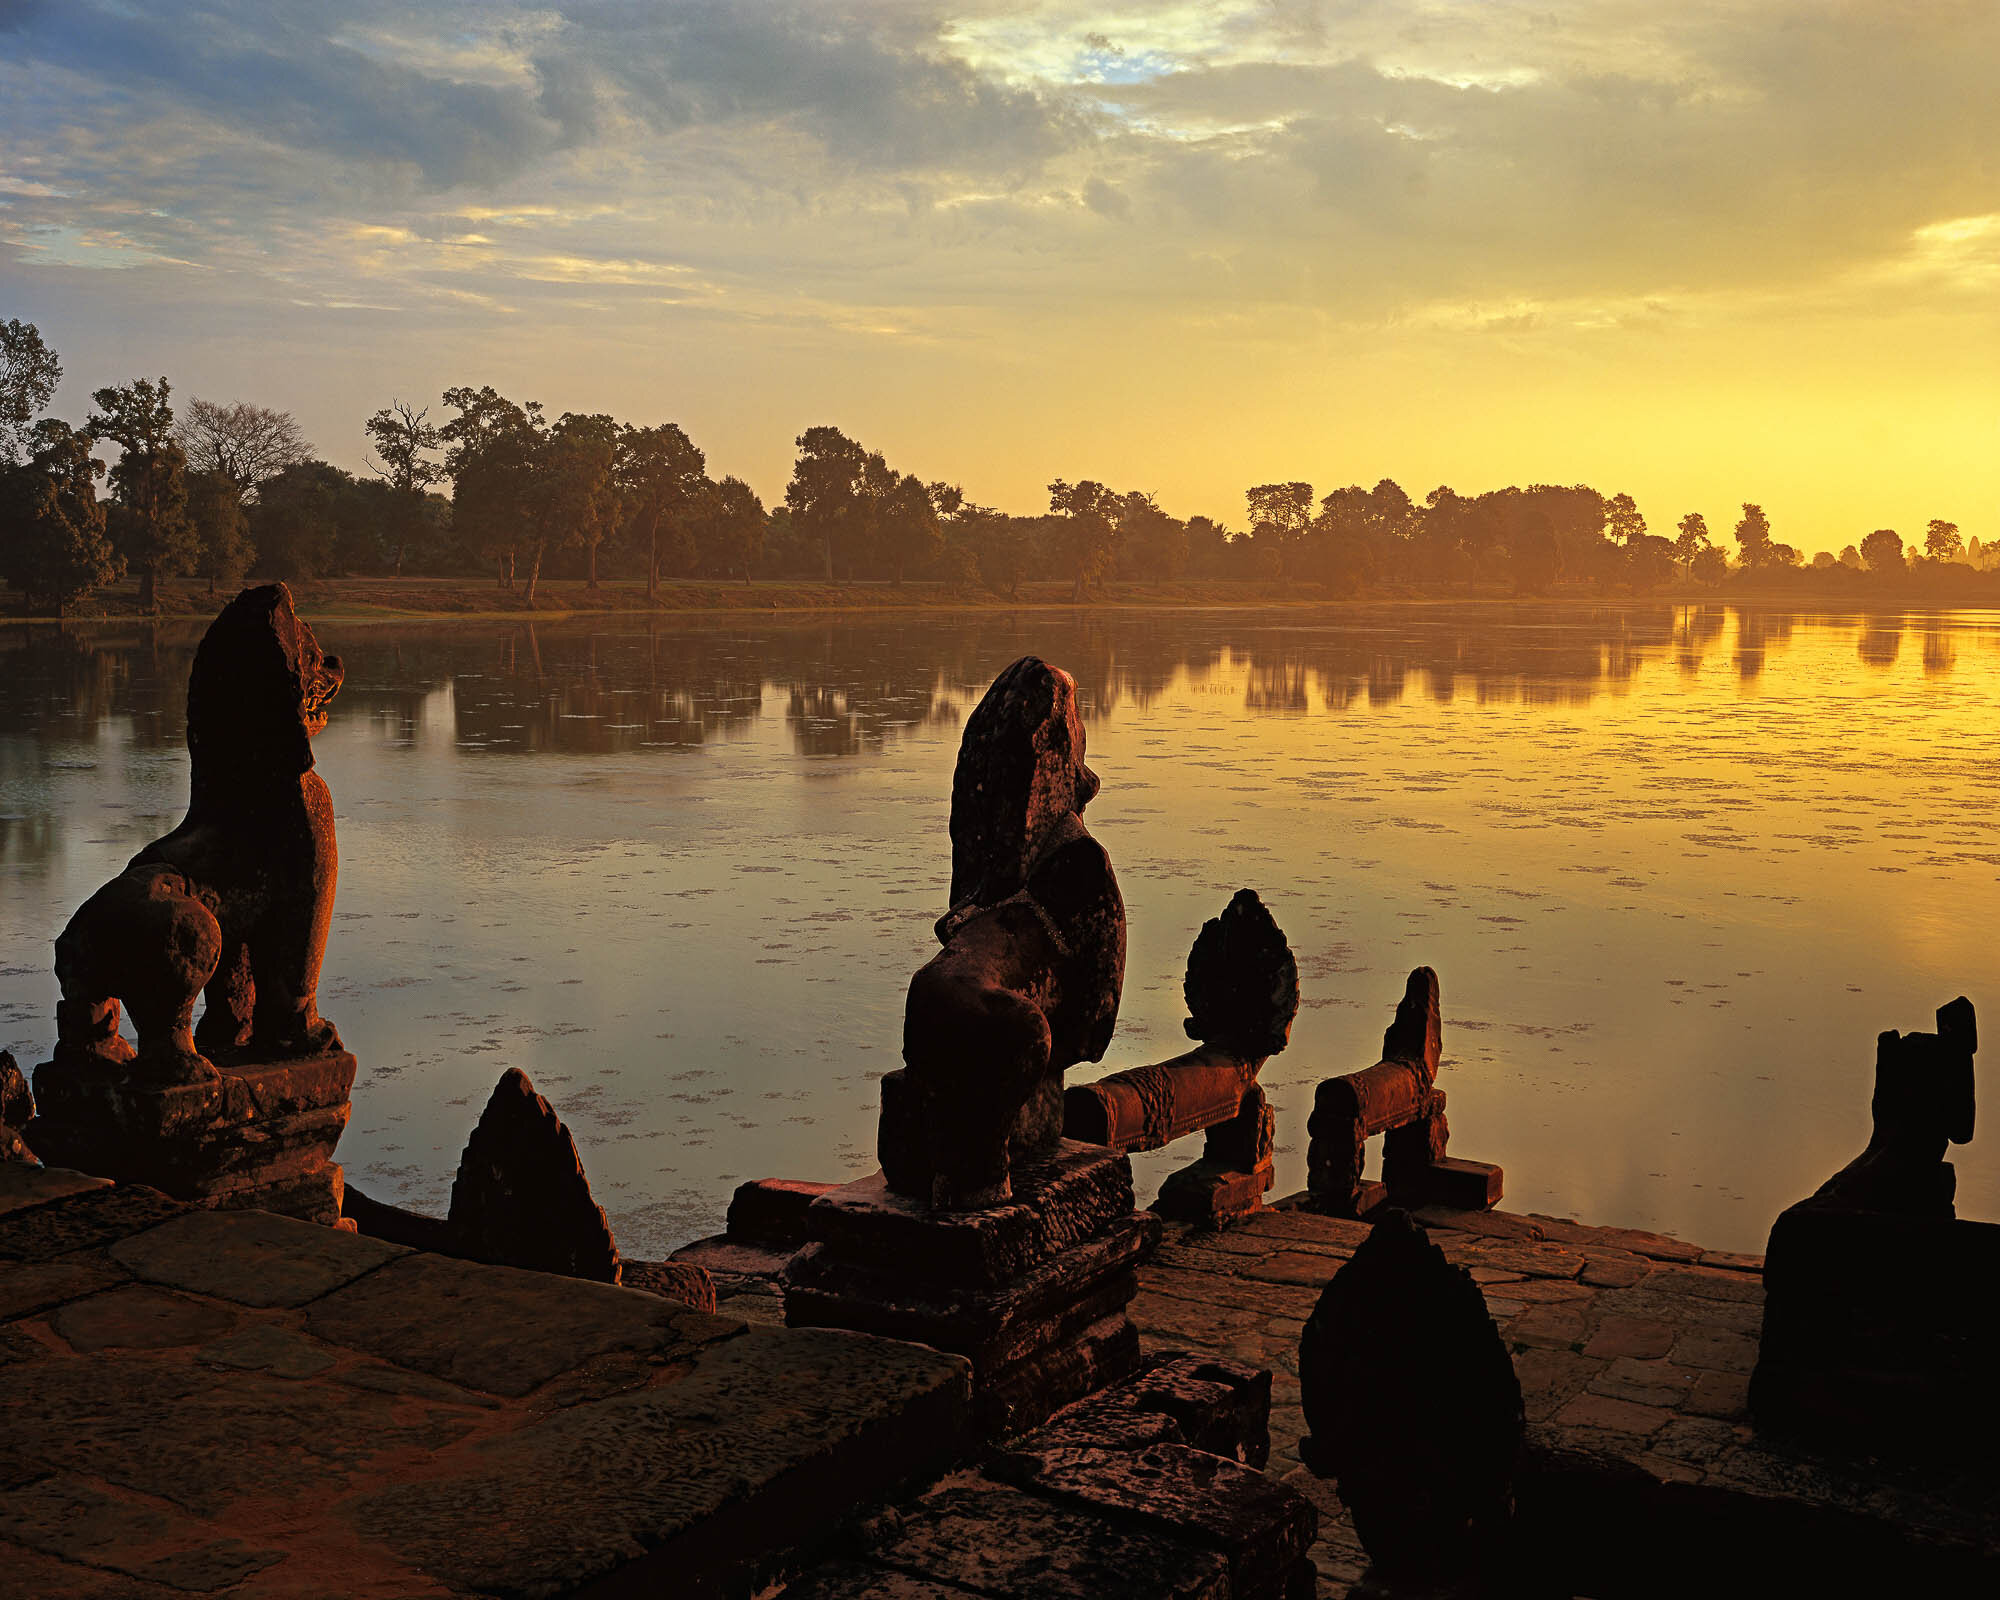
(405, 442)
(242, 443)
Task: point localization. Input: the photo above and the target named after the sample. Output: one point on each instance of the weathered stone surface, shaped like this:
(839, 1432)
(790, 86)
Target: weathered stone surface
(136, 1317)
(521, 1198)
(722, 1258)
(206, 1439)
(83, 1221)
(772, 1211)
(1028, 981)
(1025, 1393)
(1261, 1528)
(1414, 1407)
(767, 1440)
(250, 1257)
(498, 1328)
(991, 1327)
(1210, 1192)
(267, 1347)
(1070, 1196)
(27, 1288)
(1209, 1402)
(22, 1186)
(1143, 1108)
(67, 1517)
(258, 1133)
(996, 1540)
(672, 1280)
(377, 1219)
(239, 897)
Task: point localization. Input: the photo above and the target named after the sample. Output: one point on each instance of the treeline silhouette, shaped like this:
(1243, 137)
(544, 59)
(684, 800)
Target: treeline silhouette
(220, 492)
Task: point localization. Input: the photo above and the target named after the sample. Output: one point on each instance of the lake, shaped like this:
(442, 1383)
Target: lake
(1675, 867)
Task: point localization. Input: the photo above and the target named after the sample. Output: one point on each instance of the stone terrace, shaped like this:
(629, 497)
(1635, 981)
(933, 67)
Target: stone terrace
(1627, 1344)
(201, 1402)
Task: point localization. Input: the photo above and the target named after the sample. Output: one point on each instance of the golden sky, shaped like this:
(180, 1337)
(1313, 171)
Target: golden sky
(1703, 251)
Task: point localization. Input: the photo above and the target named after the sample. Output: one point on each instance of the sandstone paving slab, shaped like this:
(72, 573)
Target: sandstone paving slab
(23, 1185)
(83, 1221)
(1245, 1293)
(162, 1424)
(501, 1329)
(251, 1257)
(31, 1286)
(765, 1439)
(138, 1317)
(71, 1518)
(270, 1347)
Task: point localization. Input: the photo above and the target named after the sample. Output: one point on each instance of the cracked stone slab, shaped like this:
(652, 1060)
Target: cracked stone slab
(501, 1329)
(28, 1287)
(251, 1257)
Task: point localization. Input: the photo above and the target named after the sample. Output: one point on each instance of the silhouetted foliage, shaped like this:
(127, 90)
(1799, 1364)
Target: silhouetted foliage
(29, 373)
(55, 550)
(149, 483)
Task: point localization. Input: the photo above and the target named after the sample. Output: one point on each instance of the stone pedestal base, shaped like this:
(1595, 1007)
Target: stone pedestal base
(1211, 1193)
(258, 1136)
(1032, 1292)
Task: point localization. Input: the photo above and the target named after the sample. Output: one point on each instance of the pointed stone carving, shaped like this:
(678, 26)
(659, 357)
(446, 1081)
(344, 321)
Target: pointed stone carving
(521, 1198)
(1413, 1404)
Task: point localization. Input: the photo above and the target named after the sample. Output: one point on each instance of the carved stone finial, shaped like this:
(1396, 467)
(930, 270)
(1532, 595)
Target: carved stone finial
(521, 1198)
(1413, 1404)
(1242, 984)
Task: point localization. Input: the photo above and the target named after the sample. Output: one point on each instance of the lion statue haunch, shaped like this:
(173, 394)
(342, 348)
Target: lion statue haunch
(1033, 962)
(236, 900)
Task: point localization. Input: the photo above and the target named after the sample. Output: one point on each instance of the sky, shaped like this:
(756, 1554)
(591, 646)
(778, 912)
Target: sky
(1703, 252)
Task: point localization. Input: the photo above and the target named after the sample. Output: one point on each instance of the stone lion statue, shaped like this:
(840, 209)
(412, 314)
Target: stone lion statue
(236, 901)
(1033, 963)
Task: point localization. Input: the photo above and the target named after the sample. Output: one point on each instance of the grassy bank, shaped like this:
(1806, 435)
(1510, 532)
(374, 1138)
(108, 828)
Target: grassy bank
(362, 599)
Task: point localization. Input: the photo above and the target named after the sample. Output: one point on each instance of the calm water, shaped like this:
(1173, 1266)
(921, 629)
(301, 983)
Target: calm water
(1675, 869)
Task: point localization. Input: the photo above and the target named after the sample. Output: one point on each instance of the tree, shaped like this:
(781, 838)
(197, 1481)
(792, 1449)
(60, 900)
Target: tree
(1085, 531)
(56, 550)
(729, 525)
(909, 533)
(1154, 544)
(149, 481)
(1208, 545)
(404, 443)
(1281, 516)
(1941, 541)
(1692, 541)
(491, 450)
(825, 492)
(297, 520)
(574, 492)
(221, 528)
(1649, 561)
(1623, 520)
(1753, 533)
(663, 480)
(1850, 557)
(241, 443)
(29, 373)
(1882, 550)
